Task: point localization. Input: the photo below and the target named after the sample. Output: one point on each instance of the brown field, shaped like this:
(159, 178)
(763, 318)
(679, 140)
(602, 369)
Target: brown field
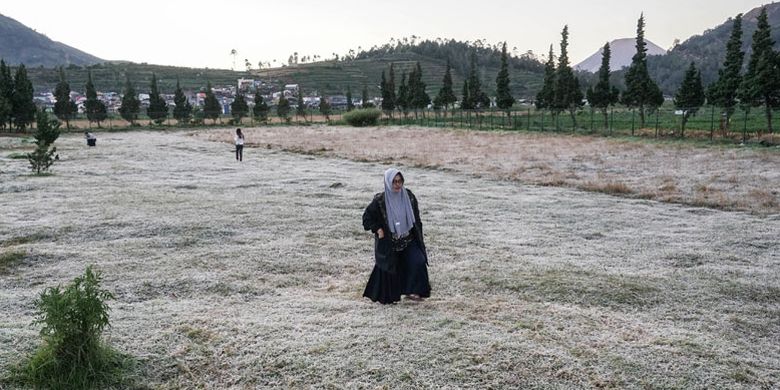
(249, 275)
(730, 178)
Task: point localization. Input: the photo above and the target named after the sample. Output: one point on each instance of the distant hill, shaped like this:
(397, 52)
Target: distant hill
(23, 45)
(708, 50)
(622, 50)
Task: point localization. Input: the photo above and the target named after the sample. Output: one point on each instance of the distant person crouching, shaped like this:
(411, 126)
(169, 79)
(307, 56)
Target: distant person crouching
(91, 139)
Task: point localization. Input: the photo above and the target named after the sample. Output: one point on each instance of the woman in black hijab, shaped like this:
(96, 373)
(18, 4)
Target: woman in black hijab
(399, 250)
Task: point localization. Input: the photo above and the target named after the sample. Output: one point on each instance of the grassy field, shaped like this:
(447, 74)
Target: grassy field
(249, 275)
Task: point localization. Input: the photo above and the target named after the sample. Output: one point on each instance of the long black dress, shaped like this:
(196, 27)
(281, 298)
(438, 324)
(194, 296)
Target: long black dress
(395, 272)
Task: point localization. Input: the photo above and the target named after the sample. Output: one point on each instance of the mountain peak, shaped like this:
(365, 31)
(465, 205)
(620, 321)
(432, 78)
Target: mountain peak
(623, 51)
(23, 45)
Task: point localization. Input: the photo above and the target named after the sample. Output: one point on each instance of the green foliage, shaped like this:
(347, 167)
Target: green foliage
(477, 98)
(417, 98)
(325, 107)
(131, 106)
(761, 84)
(350, 105)
(568, 95)
(300, 110)
(690, 96)
(239, 108)
(23, 110)
(446, 96)
(73, 355)
(182, 110)
(641, 91)
(158, 108)
(363, 117)
(603, 95)
(46, 133)
(365, 100)
(211, 106)
(6, 95)
(387, 88)
(96, 109)
(260, 110)
(723, 92)
(65, 109)
(402, 100)
(546, 96)
(283, 108)
(504, 98)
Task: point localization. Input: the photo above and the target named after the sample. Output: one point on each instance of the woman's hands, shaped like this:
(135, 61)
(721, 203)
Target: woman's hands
(380, 233)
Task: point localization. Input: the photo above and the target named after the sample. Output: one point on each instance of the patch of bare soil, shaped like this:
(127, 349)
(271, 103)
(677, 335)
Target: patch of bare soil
(729, 178)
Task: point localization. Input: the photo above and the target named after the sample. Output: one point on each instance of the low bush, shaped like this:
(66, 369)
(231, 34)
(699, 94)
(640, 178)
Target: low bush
(363, 117)
(72, 355)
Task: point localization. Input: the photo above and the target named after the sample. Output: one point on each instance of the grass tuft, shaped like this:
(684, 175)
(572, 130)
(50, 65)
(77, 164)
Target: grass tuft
(10, 259)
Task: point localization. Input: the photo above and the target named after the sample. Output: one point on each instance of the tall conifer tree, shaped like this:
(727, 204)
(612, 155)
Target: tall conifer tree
(260, 110)
(504, 98)
(690, 96)
(95, 109)
(211, 107)
(568, 95)
(761, 84)
(402, 97)
(65, 109)
(182, 110)
(6, 95)
(546, 96)
(300, 109)
(641, 91)
(603, 94)
(479, 99)
(283, 108)
(418, 97)
(23, 105)
(446, 95)
(723, 92)
(158, 108)
(350, 104)
(131, 106)
(239, 108)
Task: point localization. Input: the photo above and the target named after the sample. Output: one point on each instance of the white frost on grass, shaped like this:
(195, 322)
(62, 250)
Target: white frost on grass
(245, 275)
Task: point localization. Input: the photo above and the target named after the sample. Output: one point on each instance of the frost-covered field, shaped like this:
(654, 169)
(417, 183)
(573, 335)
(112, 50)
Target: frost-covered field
(249, 275)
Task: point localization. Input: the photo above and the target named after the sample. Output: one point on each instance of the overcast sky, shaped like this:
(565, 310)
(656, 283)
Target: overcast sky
(202, 34)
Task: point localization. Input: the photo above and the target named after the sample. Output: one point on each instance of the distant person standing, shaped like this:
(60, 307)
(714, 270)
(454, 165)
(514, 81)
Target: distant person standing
(239, 145)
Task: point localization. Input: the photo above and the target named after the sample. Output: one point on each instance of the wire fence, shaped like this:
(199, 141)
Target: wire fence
(706, 123)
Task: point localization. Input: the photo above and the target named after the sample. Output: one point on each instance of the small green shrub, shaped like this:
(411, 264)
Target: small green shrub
(17, 156)
(10, 259)
(363, 117)
(72, 355)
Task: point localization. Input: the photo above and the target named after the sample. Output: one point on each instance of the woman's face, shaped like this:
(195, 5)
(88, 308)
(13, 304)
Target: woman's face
(398, 183)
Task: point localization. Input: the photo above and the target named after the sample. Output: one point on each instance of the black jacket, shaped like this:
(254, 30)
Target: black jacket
(375, 217)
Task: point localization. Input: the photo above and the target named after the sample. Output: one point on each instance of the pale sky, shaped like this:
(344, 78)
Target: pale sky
(202, 34)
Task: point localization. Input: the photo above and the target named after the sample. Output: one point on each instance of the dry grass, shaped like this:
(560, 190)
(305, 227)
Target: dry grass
(584, 162)
(242, 276)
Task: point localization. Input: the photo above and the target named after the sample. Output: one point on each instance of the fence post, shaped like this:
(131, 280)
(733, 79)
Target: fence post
(611, 120)
(657, 111)
(633, 115)
(744, 128)
(712, 123)
(529, 119)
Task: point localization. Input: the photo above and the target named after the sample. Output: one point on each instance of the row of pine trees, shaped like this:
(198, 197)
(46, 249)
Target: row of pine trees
(758, 87)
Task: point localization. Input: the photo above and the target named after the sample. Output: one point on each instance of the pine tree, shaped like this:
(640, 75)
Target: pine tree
(641, 91)
(325, 108)
(546, 96)
(477, 97)
(365, 101)
(182, 110)
(95, 109)
(260, 110)
(568, 95)
(350, 104)
(22, 100)
(6, 96)
(603, 94)
(418, 98)
(131, 106)
(158, 108)
(211, 106)
(723, 92)
(466, 102)
(446, 95)
(690, 96)
(300, 109)
(283, 108)
(46, 133)
(761, 84)
(239, 108)
(388, 92)
(65, 109)
(504, 98)
(402, 99)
